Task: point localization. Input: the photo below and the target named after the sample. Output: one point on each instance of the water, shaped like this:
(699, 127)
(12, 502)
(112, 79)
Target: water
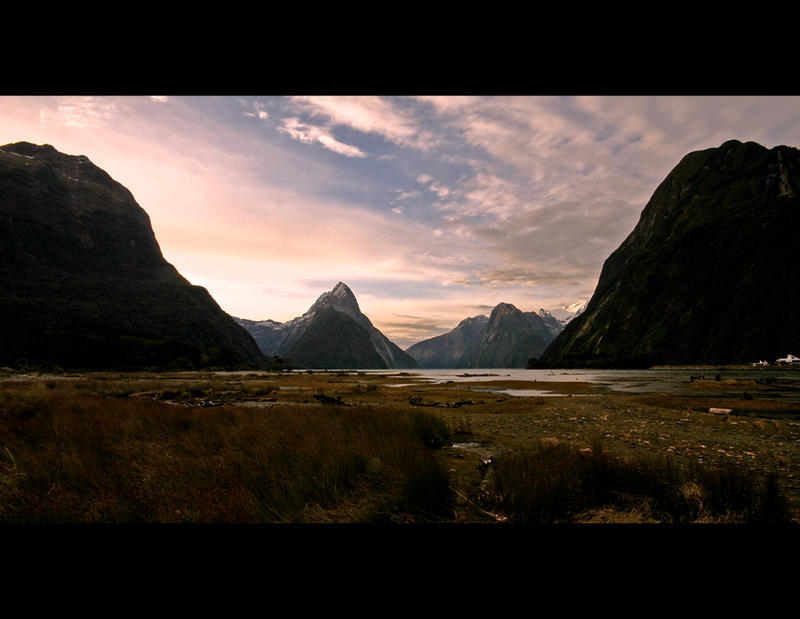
(781, 383)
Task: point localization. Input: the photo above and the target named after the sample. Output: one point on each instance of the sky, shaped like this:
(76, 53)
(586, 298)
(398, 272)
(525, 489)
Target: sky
(431, 209)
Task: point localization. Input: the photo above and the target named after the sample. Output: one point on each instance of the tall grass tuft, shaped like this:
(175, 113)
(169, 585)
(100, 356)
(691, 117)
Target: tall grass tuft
(69, 455)
(433, 431)
(554, 483)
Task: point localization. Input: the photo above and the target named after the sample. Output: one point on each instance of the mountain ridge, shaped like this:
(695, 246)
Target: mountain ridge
(706, 276)
(84, 282)
(506, 338)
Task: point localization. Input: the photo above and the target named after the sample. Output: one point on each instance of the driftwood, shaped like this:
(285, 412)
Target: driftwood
(327, 400)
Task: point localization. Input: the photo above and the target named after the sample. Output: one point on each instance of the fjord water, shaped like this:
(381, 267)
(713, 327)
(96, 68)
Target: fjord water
(780, 382)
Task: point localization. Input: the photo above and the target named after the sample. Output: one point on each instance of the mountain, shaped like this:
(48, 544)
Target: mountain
(83, 283)
(554, 325)
(333, 333)
(334, 340)
(506, 339)
(511, 338)
(455, 349)
(708, 275)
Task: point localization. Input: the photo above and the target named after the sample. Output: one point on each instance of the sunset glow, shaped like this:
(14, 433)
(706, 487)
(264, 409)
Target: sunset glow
(431, 209)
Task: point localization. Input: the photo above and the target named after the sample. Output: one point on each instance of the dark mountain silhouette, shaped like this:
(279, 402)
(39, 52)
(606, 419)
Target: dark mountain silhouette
(708, 275)
(456, 349)
(334, 340)
(508, 338)
(83, 283)
(333, 333)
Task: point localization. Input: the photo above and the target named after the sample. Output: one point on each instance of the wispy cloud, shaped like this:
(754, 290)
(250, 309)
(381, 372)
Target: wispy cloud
(439, 189)
(255, 109)
(406, 195)
(79, 112)
(372, 115)
(310, 134)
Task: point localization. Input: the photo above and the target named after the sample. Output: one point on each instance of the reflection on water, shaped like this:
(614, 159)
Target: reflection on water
(771, 382)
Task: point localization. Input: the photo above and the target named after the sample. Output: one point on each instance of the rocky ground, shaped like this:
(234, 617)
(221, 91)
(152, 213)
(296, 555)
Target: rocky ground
(633, 425)
(761, 434)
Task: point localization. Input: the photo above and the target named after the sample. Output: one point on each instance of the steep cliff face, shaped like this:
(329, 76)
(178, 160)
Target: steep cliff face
(84, 283)
(324, 338)
(708, 275)
(506, 339)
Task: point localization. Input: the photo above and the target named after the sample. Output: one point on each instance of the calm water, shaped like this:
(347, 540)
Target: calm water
(782, 383)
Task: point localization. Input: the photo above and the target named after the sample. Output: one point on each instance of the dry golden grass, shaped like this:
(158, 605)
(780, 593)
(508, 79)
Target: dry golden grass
(263, 447)
(68, 454)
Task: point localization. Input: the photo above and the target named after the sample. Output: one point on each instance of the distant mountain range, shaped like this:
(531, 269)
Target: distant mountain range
(83, 283)
(333, 333)
(710, 274)
(508, 338)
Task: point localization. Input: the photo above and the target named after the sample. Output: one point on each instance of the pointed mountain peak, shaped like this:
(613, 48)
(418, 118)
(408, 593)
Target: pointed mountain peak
(342, 291)
(340, 298)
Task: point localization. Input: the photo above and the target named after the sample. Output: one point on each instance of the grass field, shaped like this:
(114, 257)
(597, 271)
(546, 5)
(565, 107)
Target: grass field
(350, 447)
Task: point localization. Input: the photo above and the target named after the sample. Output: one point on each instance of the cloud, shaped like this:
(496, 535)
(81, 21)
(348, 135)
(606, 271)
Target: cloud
(310, 134)
(407, 330)
(407, 195)
(255, 109)
(372, 115)
(485, 195)
(439, 189)
(78, 112)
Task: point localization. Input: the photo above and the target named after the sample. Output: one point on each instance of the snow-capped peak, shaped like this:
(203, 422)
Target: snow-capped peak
(576, 308)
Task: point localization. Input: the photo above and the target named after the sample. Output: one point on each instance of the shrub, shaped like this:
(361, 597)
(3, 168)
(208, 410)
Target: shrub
(427, 492)
(559, 483)
(432, 430)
